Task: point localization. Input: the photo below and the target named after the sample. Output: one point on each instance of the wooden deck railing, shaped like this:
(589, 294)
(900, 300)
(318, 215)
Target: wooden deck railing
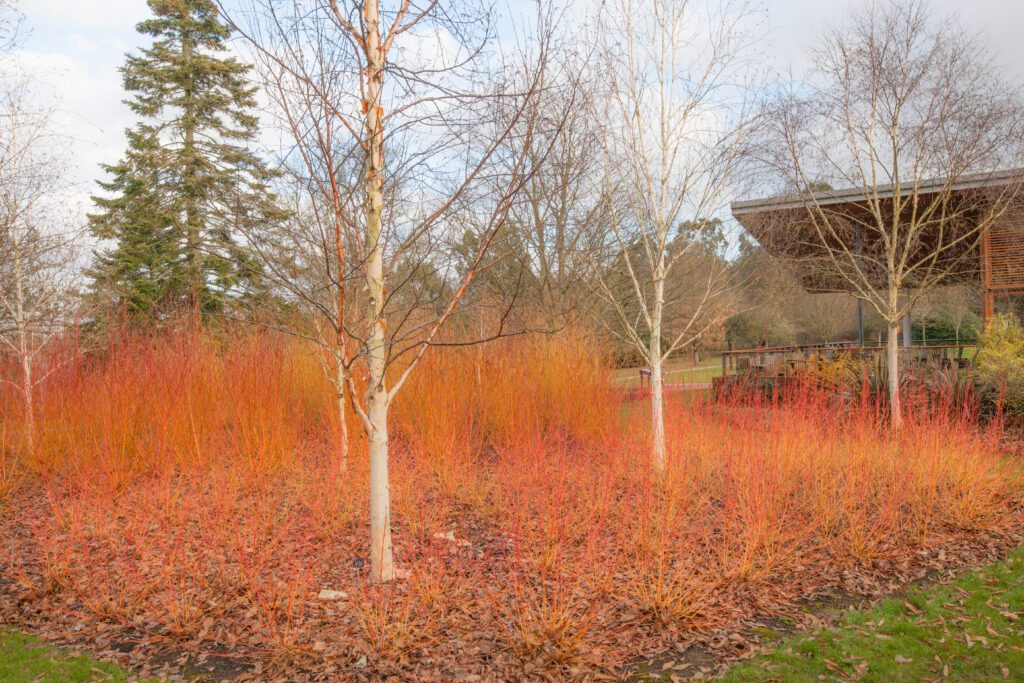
(784, 360)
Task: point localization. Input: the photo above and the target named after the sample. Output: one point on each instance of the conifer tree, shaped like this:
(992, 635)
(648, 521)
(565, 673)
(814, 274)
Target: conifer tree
(188, 186)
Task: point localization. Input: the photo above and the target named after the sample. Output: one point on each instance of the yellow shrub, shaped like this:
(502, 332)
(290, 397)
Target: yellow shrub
(1000, 364)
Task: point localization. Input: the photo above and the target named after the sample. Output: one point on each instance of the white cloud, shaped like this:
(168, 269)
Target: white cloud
(88, 115)
(85, 14)
(72, 51)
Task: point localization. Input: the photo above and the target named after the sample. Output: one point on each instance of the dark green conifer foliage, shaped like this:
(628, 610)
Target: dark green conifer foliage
(188, 186)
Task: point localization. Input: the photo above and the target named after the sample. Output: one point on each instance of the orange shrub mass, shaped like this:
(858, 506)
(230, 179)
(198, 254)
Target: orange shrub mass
(184, 494)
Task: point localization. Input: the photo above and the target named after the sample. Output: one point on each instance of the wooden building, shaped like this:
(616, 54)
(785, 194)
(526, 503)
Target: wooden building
(992, 258)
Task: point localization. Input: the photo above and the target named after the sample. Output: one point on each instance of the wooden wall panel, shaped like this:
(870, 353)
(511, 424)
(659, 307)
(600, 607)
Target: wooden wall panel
(1005, 253)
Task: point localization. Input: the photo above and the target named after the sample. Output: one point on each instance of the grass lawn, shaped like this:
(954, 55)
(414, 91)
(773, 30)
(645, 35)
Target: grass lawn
(970, 630)
(676, 372)
(27, 659)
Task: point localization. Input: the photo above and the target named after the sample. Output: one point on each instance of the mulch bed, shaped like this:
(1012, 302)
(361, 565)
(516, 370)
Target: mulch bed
(465, 635)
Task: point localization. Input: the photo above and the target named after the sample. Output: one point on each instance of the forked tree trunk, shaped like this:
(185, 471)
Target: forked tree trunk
(893, 370)
(381, 561)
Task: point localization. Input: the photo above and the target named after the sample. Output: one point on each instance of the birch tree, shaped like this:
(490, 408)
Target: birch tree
(35, 255)
(415, 89)
(674, 122)
(911, 112)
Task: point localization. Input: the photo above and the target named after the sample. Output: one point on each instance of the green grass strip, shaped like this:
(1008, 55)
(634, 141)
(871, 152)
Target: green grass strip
(25, 659)
(969, 630)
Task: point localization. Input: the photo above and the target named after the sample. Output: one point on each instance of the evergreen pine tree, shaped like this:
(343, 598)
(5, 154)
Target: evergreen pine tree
(188, 187)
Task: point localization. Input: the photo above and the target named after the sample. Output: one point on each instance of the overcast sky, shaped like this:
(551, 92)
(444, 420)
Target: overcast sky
(76, 46)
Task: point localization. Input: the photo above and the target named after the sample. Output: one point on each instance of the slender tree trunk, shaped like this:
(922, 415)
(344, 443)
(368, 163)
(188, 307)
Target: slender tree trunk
(480, 361)
(24, 347)
(381, 561)
(28, 404)
(382, 566)
(893, 366)
(342, 418)
(657, 385)
(342, 354)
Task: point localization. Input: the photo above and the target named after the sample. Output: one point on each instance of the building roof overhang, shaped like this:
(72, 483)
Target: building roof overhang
(784, 226)
(854, 195)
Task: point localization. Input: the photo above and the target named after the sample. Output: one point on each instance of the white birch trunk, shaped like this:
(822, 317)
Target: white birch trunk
(893, 367)
(382, 565)
(24, 346)
(28, 404)
(657, 384)
(339, 382)
(381, 561)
